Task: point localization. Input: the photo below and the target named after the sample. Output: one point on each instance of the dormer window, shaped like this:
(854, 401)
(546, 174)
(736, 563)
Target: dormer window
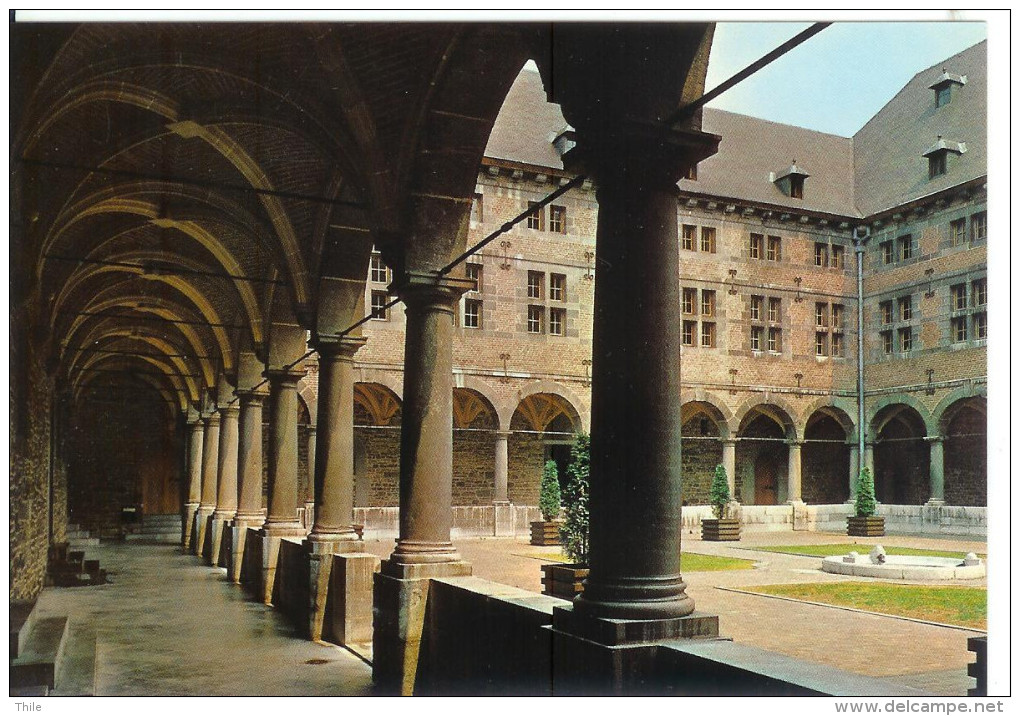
(943, 87)
(937, 155)
(791, 181)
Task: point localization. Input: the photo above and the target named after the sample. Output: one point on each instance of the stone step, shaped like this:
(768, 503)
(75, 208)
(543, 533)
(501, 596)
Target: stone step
(81, 542)
(153, 537)
(77, 674)
(22, 621)
(37, 664)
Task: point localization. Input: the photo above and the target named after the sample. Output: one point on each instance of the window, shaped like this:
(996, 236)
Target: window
(535, 316)
(906, 307)
(708, 303)
(708, 239)
(474, 273)
(837, 345)
(979, 291)
(472, 313)
(536, 217)
(379, 301)
(775, 340)
(707, 334)
(821, 344)
(796, 186)
(378, 272)
(687, 233)
(888, 256)
(689, 296)
(958, 232)
(821, 254)
(692, 173)
(821, 315)
(535, 281)
(959, 329)
(906, 339)
(557, 287)
(887, 342)
(943, 95)
(557, 321)
(978, 226)
(885, 308)
(981, 326)
(774, 253)
(837, 257)
(775, 307)
(757, 246)
(558, 219)
(756, 333)
(476, 209)
(757, 303)
(936, 164)
(837, 315)
(688, 332)
(958, 297)
(906, 246)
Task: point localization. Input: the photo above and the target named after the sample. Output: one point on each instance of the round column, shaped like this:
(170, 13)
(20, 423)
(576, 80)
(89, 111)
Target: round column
(195, 463)
(855, 470)
(249, 451)
(729, 463)
(499, 488)
(426, 433)
(334, 458)
(226, 496)
(793, 481)
(283, 453)
(936, 470)
(210, 462)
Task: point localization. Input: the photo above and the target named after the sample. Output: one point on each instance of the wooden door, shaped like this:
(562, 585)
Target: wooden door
(766, 479)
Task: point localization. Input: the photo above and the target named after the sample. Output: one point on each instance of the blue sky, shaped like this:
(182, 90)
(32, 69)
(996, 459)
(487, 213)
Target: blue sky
(838, 79)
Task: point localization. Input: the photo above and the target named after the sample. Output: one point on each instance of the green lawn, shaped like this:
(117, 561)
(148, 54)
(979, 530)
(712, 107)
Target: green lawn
(829, 550)
(962, 606)
(689, 561)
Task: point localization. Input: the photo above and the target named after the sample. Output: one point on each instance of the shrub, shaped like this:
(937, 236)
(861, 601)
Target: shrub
(574, 532)
(719, 493)
(865, 505)
(549, 492)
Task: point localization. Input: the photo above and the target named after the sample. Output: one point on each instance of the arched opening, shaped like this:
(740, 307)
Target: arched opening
(306, 461)
(825, 458)
(965, 452)
(474, 462)
(901, 456)
(701, 450)
(762, 459)
(542, 428)
(377, 413)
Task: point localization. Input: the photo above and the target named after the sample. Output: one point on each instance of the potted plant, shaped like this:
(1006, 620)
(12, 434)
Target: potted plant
(721, 528)
(864, 522)
(547, 530)
(566, 580)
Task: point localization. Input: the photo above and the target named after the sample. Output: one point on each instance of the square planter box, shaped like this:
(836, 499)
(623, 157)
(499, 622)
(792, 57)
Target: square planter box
(724, 530)
(545, 534)
(873, 526)
(563, 580)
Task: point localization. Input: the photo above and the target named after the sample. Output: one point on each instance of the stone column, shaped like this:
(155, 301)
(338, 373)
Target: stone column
(334, 458)
(226, 495)
(210, 465)
(310, 492)
(793, 493)
(249, 474)
(426, 433)
(194, 481)
(869, 457)
(936, 470)
(281, 521)
(502, 518)
(729, 463)
(855, 469)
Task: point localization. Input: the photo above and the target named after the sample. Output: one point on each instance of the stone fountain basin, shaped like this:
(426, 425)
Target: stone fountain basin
(903, 567)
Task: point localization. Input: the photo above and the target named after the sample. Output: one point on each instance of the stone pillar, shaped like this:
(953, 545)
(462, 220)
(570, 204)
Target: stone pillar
(793, 493)
(333, 531)
(502, 510)
(210, 466)
(226, 495)
(869, 457)
(194, 482)
(855, 469)
(249, 508)
(936, 470)
(729, 463)
(423, 548)
(310, 492)
(281, 520)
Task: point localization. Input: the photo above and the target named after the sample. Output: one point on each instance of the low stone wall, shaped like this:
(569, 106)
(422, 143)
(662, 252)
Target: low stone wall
(927, 519)
(470, 521)
(290, 589)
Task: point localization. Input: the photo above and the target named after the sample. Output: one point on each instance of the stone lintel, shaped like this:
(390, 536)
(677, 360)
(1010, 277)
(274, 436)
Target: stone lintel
(621, 632)
(432, 570)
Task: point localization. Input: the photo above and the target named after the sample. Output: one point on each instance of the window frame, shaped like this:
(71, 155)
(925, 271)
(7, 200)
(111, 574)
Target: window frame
(937, 164)
(536, 216)
(757, 246)
(536, 319)
(557, 219)
(558, 317)
(476, 304)
(708, 331)
(774, 248)
(558, 287)
(382, 313)
(707, 302)
(707, 241)
(821, 254)
(536, 285)
(478, 277)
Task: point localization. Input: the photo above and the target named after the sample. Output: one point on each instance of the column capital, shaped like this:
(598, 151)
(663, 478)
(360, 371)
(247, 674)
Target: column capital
(419, 289)
(728, 441)
(231, 409)
(796, 442)
(342, 347)
(503, 434)
(930, 439)
(250, 397)
(212, 419)
(287, 377)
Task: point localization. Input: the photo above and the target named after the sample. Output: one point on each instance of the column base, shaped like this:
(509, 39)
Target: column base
(334, 543)
(635, 599)
(219, 523)
(340, 591)
(188, 517)
(400, 597)
(410, 552)
(201, 528)
(935, 502)
(271, 536)
(597, 656)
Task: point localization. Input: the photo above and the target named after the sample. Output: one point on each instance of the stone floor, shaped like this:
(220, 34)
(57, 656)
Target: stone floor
(168, 625)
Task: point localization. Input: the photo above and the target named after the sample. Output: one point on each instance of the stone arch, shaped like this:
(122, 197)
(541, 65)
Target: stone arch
(582, 415)
(825, 456)
(309, 397)
(376, 404)
(843, 411)
(776, 409)
(704, 427)
(901, 455)
(472, 409)
(762, 453)
(956, 399)
(883, 402)
(714, 407)
(964, 429)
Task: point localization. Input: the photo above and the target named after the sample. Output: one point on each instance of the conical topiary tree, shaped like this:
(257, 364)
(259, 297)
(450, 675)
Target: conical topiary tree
(865, 504)
(719, 492)
(574, 532)
(549, 492)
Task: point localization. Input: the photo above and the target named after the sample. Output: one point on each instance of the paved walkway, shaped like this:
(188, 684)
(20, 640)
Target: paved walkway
(168, 625)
